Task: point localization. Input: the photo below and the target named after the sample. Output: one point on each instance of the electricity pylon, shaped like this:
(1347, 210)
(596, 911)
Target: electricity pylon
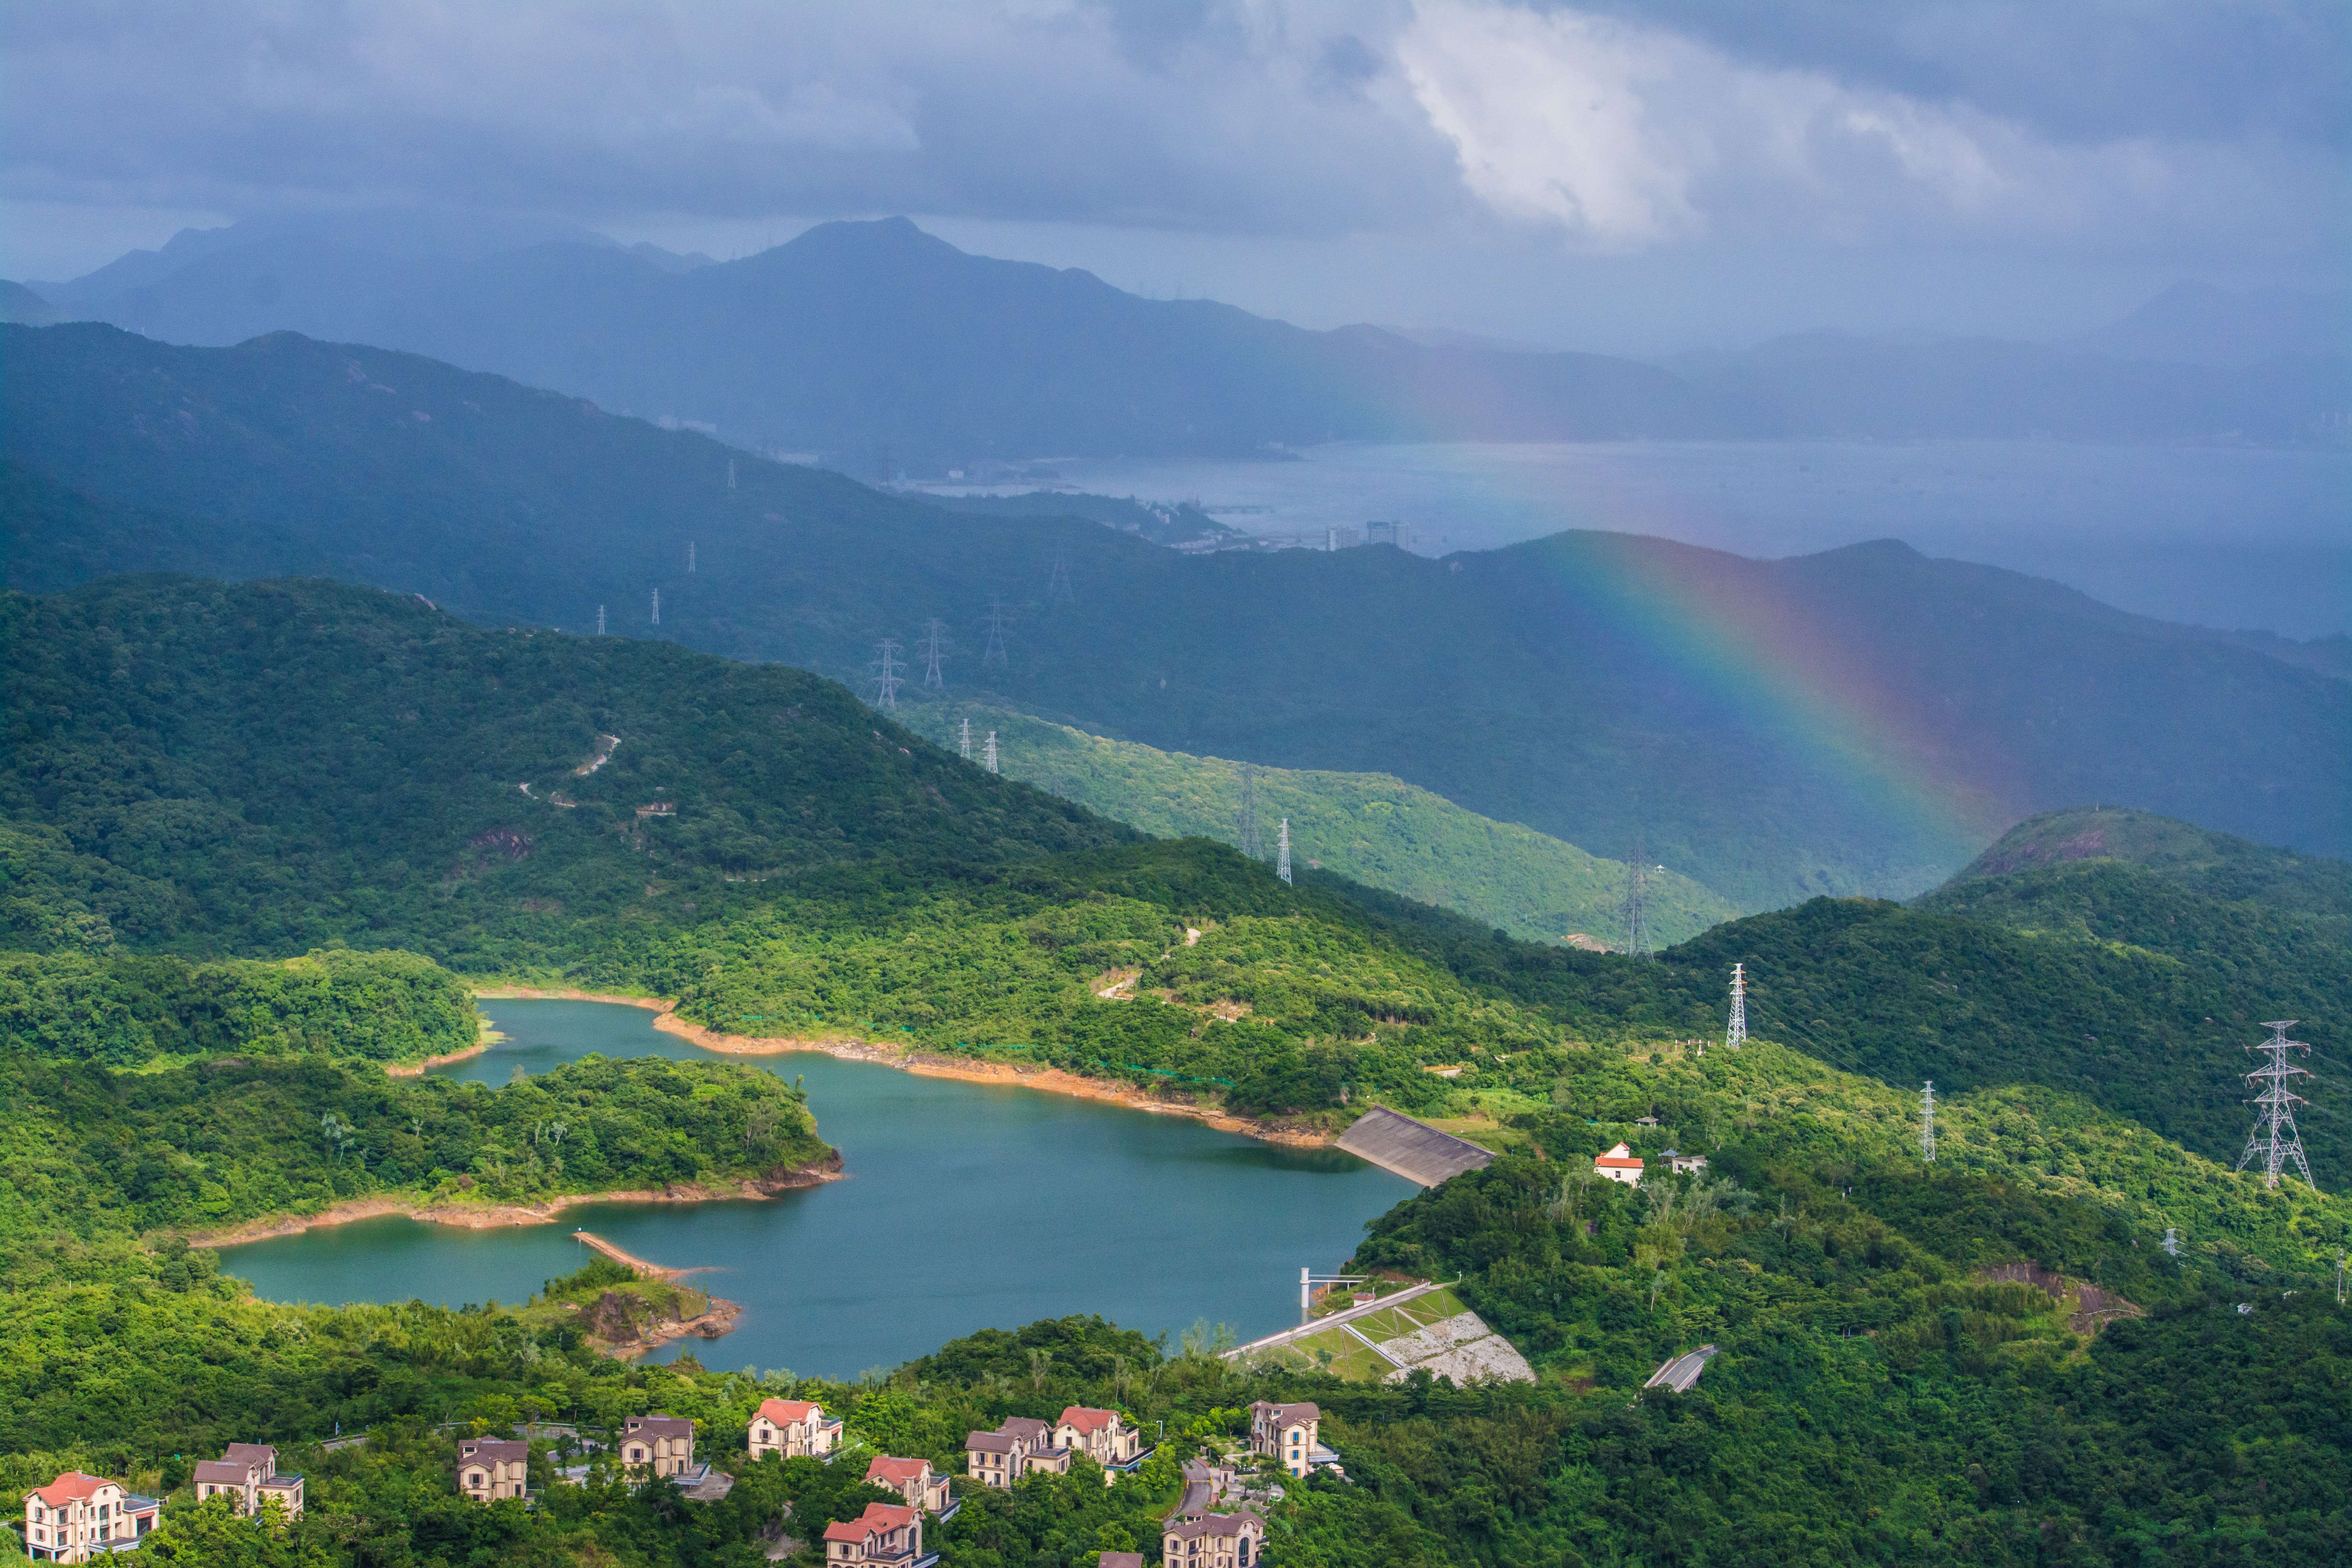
(1927, 1122)
(1245, 819)
(934, 635)
(1735, 1034)
(887, 676)
(600, 620)
(1058, 585)
(964, 740)
(1282, 852)
(2274, 1137)
(994, 653)
(988, 755)
(1637, 916)
(656, 606)
(689, 558)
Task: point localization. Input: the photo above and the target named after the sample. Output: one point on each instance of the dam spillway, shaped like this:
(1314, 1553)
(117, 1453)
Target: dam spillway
(1413, 1149)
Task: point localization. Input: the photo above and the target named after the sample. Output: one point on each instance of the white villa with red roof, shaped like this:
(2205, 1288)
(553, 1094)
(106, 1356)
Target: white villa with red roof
(1619, 1165)
(794, 1428)
(923, 1488)
(77, 1515)
(884, 1536)
(247, 1475)
(1101, 1434)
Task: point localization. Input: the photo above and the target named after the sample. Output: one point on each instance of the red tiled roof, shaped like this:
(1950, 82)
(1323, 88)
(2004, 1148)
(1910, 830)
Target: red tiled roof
(71, 1487)
(1086, 1419)
(1617, 1164)
(783, 1412)
(847, 1530)
(896, 1470)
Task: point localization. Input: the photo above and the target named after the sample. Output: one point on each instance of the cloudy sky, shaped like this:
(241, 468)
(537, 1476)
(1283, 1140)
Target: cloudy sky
(1612, 175)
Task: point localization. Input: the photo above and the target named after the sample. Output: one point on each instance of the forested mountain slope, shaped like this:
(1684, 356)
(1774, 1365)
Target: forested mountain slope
(1369, 827)
(1863, 720)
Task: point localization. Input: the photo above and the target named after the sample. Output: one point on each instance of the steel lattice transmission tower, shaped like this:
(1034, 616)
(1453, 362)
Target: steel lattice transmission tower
(934, 639)
(2274, 1137)
(1245, 819)
(656, 606)
(994, 653)
(1282, 851)
(887, 676)
(600, 620)
(1636, 910)
(1927, 1122)
(689, 558)
(1058, 585)
(964, 740)
(1735, 1033)
(988, 754)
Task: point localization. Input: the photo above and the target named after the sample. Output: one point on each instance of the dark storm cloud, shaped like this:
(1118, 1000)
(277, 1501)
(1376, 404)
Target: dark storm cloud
(1619, 125)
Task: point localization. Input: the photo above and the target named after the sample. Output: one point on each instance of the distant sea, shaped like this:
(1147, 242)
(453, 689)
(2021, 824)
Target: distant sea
(2216, 536)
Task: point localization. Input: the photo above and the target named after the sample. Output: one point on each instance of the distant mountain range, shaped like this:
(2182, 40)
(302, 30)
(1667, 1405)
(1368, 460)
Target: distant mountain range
(1861, 721)
(875, 342)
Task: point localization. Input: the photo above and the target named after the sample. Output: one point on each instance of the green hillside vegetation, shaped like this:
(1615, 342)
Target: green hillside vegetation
(1371, 828)
(127, 1010)
(2211, 864)
(1861, 720)
(90, 1152)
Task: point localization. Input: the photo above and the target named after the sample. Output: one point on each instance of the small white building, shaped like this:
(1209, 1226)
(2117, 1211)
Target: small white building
(1683, 1164)
(1619, 1163)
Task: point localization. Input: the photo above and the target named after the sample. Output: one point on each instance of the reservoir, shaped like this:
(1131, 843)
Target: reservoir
(965, 1205)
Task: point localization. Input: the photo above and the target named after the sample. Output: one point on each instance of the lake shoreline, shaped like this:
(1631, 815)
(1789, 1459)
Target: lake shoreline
(497, 1216)
(923, 1064)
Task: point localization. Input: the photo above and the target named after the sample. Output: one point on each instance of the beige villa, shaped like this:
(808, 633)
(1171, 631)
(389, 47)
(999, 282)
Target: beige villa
(1285, 1433)
(77, 1515)
(489, 1468)
(247, 1475)
(1101, 1434)
(1021, 1444)
(923, 1488)
(1216, 1541)
(882, 1537)
(794, 1429)
(663, 1444)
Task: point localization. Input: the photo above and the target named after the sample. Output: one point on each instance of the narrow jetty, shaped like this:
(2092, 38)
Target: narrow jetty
(630, 1260)
(1413, 1149)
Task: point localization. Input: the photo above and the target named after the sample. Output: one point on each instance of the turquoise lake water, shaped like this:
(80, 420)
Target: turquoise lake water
(964, 1207)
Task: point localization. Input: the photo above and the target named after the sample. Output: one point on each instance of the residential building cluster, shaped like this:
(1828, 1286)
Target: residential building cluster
(1023, 1445)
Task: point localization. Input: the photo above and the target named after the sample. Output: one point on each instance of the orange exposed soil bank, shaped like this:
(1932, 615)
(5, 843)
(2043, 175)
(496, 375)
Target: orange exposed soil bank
(489, 1217)
(926, 1064)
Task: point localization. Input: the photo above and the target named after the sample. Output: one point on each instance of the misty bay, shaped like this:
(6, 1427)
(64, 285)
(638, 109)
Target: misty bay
(964, 1206)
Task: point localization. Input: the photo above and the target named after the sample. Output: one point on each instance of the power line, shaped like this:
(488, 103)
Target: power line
(934, 635)
(1735, 1034)
(1245, 819)
(1282, 852)
(888, 678)
(1927, 1122)
(2274, 1137)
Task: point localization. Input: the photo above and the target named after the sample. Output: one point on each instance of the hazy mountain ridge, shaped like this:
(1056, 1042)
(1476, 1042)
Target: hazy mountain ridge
(859, 336)
(1579, 684)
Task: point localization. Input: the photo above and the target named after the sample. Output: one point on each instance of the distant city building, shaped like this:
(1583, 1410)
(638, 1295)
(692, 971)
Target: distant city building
(1619, 1165)
(794, 1428)
(490, 1468)
(663, 1444)
(77, 1515)
(1285, 1433)
(247, 1474)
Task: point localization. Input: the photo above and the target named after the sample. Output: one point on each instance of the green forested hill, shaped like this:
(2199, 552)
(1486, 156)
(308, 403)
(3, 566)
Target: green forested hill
(2197, 861)
(1371, 828)
(1863, 720)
